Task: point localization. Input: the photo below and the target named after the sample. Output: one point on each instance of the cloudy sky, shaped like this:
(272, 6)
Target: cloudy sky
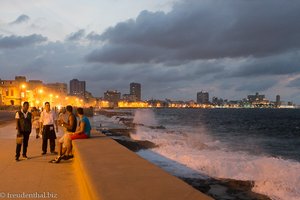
(174, 48)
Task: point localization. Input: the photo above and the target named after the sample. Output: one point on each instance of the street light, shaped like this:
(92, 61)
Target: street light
(22, 94)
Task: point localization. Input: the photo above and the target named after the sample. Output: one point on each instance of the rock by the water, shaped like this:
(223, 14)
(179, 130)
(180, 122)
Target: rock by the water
(135, 145)
(224, 189)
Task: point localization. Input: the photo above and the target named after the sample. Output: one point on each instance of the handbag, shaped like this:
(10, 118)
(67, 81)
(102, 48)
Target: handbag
(19, 139)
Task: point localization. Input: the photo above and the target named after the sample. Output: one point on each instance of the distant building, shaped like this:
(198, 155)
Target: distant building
(278, 102)
(0, 94)
(217, 101)
(135, 89)
(112, 96)
(77, 88)
(88, 95)
(33, 84)
(20, 78)
(202, 97)
(61, 88)
(12, 92)
(256, 98)
(129, 97)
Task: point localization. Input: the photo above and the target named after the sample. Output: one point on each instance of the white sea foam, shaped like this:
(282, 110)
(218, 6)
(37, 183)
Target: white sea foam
(145, 117)
(196, 151)
(105, 122)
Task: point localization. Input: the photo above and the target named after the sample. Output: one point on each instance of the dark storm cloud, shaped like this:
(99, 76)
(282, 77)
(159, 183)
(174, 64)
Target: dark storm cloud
(153, 73)
(93, 36)
(274, 65)
(123, 54)
(50, 61)
(294, 83)
(13, 41)
(21, 19)
(204, 30)
(76, 35)
(256, 86)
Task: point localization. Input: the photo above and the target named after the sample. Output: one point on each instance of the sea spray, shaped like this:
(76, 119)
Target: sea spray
(226, 144)
(196, 151)
(275, 177)
(145, 117)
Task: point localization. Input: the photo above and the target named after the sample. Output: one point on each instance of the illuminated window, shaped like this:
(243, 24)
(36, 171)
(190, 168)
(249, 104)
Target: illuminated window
(11, 92)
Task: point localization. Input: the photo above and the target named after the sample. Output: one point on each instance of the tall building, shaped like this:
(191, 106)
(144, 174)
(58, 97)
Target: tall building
(135, 89)
(77, 88)
(202, 97)
(278, 102)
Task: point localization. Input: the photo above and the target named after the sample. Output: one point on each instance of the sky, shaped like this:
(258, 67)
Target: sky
(174, 48)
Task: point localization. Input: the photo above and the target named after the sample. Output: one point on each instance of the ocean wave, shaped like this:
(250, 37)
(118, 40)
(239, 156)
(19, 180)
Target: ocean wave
(192, 152)
(275, 177)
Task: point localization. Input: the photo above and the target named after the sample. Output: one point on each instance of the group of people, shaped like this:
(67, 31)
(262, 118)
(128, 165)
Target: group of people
(46, 124)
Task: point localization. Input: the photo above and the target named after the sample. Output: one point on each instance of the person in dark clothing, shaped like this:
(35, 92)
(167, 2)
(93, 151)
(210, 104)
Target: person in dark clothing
(23, 126)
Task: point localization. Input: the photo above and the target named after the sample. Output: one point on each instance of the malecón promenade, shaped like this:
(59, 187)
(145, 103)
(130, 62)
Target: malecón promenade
(101, 169)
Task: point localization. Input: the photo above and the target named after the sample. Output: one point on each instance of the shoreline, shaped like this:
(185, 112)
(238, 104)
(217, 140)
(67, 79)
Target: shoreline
(221, 189)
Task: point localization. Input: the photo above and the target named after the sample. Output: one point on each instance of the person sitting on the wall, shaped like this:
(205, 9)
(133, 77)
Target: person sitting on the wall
(83, 132)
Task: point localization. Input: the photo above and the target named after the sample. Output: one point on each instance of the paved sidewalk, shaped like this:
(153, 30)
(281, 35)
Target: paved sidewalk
(34, 175)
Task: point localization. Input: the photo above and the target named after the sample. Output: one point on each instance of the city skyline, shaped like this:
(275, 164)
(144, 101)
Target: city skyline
(174, 49)
(78, 89)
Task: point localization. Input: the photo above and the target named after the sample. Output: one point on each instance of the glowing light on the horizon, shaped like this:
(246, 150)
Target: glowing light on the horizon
(136, 104)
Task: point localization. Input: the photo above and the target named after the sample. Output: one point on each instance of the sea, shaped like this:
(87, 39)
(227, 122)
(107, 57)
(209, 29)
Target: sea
(260, 145)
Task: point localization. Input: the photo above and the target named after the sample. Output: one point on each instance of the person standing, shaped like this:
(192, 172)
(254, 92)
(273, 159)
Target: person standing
(23, 126)
(47, 121)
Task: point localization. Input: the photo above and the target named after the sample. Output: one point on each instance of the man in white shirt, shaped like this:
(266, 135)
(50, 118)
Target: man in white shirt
(47, 121)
